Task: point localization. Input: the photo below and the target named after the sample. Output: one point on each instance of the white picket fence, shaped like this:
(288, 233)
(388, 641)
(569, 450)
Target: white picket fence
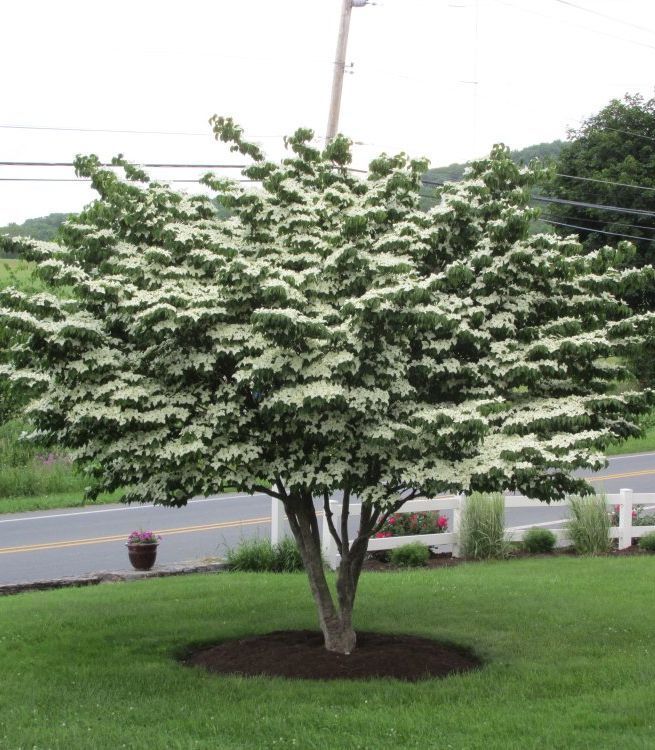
(626, 499)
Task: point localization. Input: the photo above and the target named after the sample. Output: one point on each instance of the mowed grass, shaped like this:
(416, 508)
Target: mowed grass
(568, 644)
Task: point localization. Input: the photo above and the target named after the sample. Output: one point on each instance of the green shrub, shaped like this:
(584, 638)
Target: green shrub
(482, 530)
(260, 556)
(539, 540)
(589, 525)
(648, 542)
(410, 555)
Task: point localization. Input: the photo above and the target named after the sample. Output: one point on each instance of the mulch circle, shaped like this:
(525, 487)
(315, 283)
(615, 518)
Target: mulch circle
(300, 654)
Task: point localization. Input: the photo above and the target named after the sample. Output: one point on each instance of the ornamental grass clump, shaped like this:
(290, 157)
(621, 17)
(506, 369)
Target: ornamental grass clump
(260, 556)
(330, 337)
(482, 529)
(589, 525)
(287, 556)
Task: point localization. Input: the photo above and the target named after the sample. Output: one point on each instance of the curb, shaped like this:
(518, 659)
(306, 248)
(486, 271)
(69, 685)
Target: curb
(94, 579)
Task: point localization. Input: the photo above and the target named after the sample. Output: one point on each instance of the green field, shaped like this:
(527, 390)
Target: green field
(18, 273)
(567, 645)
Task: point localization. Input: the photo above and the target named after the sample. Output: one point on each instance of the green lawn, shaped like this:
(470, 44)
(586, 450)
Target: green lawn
(634, 445)
(568, 646)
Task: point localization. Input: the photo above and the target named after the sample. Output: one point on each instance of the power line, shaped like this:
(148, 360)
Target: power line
(598, 206)
(597, 221)
(83, 179)
(579, 26)
(123, 132)
(172, 165)
(108, 164)
(597, 231)
(629, 132)
(604, 15)
(605, 182)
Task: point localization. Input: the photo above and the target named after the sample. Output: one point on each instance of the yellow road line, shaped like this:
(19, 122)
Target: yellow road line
(228, 524)
(121, 537)
(642, 473)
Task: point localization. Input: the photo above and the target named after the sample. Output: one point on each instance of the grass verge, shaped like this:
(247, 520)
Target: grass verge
(53, 501)
(642, 444)
(567, 646)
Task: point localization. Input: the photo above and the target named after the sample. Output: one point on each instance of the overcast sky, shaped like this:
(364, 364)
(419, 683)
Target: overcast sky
(442, 78)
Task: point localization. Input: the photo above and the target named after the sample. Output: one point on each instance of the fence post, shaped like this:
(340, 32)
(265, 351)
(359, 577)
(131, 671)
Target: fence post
(457, 522)
(625, 519)
(277, 519)
(329, 546)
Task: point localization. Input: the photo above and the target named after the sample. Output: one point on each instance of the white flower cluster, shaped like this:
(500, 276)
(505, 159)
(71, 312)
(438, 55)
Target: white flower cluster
(329, 334)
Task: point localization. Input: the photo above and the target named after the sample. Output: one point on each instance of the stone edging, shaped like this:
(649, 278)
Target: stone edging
(112, 577)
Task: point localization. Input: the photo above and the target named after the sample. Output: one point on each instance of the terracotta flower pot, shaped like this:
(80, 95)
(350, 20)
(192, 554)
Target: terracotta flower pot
(142, 556)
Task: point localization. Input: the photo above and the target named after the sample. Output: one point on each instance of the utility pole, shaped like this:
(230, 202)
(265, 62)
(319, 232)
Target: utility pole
(340, 66)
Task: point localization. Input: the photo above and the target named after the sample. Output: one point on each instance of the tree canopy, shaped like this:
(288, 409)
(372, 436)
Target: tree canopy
(329, 335)
(610, 161)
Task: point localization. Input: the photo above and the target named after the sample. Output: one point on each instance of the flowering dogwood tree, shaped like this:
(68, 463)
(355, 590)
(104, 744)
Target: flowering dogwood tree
(328, 336)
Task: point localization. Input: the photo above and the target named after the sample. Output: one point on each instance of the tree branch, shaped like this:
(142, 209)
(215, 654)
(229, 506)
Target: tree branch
(313, 522)
(328, 516)
(280, 486)
(268, 491)
(345, 512)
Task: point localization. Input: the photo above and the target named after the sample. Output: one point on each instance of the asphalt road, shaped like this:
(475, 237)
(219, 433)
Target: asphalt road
(58, 543)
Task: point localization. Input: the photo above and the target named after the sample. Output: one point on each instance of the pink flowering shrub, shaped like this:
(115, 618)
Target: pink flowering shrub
(405, 524)
(143, 537)
(638, 517)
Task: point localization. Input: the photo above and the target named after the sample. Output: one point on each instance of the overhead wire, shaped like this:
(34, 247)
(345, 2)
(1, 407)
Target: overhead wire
(598, 231)
(120, 131)
(629, 132)
(576, 25)
(84, 179)
(605, 182)
(605, 15)
(597, 221)
(598, 206)
(109, 164)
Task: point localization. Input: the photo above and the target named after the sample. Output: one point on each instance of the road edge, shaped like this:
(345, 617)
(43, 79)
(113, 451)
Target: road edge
(94, 579)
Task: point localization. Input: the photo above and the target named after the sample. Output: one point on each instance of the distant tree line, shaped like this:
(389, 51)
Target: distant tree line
(454, 172)
(41, 228)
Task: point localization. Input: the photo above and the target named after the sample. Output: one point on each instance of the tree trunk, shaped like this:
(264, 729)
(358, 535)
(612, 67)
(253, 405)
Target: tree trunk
(336, 623)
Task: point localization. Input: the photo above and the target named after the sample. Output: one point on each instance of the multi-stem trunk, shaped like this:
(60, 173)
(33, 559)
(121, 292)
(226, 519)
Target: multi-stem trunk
(335, 619)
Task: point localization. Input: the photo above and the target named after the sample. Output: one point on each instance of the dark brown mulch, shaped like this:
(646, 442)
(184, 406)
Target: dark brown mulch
(439, 560)
(301, 654)
(376, 564)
